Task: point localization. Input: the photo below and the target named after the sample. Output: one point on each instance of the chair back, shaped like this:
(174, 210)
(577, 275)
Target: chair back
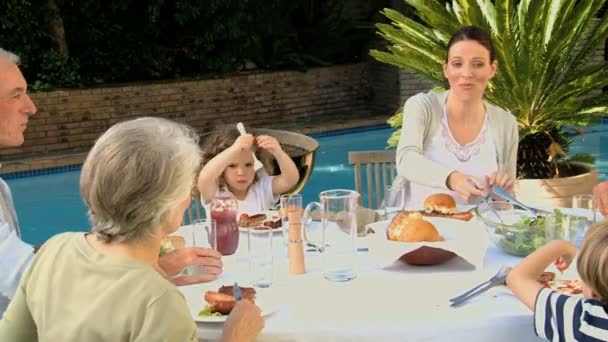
(380, 171)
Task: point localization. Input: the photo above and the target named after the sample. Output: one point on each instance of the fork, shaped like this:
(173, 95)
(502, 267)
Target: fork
(498, 279)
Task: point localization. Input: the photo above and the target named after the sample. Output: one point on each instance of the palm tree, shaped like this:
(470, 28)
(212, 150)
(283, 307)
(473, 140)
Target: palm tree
(544, 49)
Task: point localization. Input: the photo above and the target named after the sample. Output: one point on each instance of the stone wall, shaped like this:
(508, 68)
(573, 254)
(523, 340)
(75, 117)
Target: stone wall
(70, 120)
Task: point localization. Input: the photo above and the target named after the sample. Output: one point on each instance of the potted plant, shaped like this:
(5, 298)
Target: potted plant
(545, 76)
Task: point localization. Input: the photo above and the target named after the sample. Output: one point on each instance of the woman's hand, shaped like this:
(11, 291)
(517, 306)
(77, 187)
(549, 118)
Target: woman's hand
(466, 186)
(500, 179)
(268, 143)
(244, 322)
(174, 262)
(600, 197)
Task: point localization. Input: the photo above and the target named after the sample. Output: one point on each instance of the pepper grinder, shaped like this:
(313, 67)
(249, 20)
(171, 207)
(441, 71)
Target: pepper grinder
(295, 247)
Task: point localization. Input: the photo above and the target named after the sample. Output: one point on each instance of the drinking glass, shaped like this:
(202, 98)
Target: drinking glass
(204, 234)
(288, 201)
(565, 227)
(393, 201)
(223, 211)
(585, 202)
(261, 269)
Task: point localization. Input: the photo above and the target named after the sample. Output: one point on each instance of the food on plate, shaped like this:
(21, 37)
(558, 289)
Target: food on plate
(440, 203)
(249, 221)
(524, 236)
(462, 215)
(248, 292)
(546, 276)
(259, 222)
(443, 205)
(273, 224)
(222, 302)
(568, 287)
(411, 227)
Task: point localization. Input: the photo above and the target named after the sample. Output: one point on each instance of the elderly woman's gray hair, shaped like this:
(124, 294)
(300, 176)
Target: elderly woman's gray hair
(8, 56)
(135, 174)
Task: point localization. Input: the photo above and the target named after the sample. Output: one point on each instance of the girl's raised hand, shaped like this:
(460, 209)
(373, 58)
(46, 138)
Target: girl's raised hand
(244, 142)
(268, 143)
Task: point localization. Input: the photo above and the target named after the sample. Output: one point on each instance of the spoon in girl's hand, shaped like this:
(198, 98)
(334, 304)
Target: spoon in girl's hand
(256, 163)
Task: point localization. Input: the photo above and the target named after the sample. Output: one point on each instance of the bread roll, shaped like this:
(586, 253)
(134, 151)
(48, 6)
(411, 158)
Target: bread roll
(442, 203)
(411, 227)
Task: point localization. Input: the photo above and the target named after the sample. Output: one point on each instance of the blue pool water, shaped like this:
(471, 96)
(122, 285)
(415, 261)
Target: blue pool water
(50, 204)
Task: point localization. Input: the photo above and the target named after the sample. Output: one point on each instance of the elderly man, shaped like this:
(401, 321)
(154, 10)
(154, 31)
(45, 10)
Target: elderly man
(15, 255)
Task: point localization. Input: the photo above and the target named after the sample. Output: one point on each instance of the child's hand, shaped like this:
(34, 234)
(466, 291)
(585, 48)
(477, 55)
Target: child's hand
(244, 142)
(562, 263)
(268, 143)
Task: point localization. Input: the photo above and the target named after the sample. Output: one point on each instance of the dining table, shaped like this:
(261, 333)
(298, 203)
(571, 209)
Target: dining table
(385, 302)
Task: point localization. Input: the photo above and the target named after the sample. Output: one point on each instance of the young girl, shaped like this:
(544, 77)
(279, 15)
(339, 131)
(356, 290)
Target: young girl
(229, 167)
(559, 317)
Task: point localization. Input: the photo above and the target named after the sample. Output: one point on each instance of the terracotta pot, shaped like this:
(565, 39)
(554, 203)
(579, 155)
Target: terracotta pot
(556, 192)
(427, 256)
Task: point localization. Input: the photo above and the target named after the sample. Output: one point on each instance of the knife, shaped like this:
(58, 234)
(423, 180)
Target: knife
(236, 292)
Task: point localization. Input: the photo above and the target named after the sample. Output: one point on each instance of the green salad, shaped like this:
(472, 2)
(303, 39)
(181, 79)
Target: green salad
(206, 312)
(524, 236)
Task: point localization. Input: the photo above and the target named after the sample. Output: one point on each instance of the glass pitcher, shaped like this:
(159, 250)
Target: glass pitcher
(223, 209)
(338, 214)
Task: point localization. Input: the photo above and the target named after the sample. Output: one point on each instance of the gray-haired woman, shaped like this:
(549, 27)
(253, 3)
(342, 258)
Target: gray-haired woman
(103, 286)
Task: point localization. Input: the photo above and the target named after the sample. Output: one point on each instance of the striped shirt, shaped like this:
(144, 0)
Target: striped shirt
(559, 317)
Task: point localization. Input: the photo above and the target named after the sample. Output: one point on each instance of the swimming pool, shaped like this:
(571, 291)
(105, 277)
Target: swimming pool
(49, 204)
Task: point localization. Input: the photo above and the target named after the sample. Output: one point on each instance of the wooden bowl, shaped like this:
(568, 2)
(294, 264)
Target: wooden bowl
(427, 256)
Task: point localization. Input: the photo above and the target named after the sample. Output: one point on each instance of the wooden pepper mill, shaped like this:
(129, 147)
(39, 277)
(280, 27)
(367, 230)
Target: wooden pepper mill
(295, 247)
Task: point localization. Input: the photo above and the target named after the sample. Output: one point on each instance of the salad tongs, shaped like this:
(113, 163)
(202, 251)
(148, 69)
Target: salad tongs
(500, 192)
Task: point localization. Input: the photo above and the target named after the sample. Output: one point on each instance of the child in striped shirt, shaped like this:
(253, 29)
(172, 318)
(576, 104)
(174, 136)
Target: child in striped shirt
(559, 317)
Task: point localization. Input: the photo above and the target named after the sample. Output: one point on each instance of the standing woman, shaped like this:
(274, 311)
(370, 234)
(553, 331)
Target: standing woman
(454, 141)
(103, 285)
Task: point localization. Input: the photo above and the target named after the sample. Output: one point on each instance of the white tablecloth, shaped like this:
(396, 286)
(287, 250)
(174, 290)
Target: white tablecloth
(394, 303)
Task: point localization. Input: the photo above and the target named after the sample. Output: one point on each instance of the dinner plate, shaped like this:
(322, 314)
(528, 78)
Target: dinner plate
(270, 215)
(195, 298)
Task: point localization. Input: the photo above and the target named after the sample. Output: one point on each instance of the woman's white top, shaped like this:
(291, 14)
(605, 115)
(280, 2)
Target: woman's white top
(478, 158)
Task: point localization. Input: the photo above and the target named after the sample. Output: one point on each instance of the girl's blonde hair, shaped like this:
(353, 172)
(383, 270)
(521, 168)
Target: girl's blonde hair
(217, 142)
(593, 260)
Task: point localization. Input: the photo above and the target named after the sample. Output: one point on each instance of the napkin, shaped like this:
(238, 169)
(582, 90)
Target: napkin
(467, 239)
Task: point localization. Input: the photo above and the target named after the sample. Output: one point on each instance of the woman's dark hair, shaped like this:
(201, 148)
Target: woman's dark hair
(473, 33)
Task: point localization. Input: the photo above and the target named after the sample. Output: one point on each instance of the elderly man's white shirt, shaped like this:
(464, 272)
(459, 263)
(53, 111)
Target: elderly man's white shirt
(15, 255)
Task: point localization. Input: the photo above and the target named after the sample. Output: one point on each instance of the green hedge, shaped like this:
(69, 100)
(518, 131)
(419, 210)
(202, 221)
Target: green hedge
(122, 41)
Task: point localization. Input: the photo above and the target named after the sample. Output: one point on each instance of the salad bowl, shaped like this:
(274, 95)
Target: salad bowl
(512, 228)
